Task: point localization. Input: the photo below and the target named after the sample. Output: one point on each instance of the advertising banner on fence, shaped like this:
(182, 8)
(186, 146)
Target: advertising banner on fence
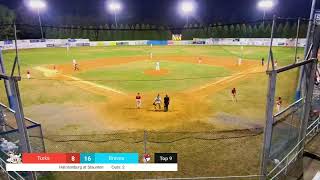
(48, 43)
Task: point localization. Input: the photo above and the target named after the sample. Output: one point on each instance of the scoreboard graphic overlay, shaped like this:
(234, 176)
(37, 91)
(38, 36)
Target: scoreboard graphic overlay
(94, 162)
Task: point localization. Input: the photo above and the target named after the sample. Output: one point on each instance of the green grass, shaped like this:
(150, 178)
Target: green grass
(32, 57)
(131, 77)
(252, 93)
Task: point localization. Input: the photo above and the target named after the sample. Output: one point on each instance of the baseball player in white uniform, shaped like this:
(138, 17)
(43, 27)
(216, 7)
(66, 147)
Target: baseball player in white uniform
(157, 102)
(75, 65)
(239, 61)
(157, 66)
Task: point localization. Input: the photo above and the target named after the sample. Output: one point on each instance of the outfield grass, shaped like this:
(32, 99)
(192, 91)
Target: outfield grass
(132, 77)
(32, 57)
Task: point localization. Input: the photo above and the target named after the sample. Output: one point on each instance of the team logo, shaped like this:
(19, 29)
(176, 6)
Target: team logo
(146, 158)
(14, 159)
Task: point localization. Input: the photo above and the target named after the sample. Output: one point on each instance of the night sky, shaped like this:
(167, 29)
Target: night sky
(165, 11)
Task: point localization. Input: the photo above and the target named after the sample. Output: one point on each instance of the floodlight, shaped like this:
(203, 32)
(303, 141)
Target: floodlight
(37, 4)
(187, 7)
(265, 4)
(114, 6)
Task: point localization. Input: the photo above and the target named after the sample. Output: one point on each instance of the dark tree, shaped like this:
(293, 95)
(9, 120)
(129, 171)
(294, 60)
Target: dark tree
(7, 16)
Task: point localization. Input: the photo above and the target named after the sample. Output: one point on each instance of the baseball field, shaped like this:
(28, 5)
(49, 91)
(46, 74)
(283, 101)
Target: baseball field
(94, 109)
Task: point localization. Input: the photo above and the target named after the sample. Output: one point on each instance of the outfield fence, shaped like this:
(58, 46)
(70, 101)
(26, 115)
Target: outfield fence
(54, 43)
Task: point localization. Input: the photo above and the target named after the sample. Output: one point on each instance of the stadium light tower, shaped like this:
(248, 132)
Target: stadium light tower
(115, 7)
(187, 9)
(265, 5)
(38, 5)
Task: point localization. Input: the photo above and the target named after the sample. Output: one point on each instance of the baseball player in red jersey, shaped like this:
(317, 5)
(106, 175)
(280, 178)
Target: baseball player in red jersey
(279, 104)
(28, 74)
(138, 101)
(199, 60)
(234, 95)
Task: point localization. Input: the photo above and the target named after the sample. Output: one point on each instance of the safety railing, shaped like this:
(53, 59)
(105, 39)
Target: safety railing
(283, 165)
(12, 175)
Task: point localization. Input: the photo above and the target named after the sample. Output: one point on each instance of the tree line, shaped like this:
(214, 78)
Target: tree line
(284, 29)
(152, 32)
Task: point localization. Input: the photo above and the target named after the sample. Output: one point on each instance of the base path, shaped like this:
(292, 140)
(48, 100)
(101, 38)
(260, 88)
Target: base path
(227, 81)
(85, 85)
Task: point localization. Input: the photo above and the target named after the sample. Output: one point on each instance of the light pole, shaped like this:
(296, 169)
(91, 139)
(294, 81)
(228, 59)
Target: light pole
(187, 8)
(115, 7)
(38, 5)
(265, 5)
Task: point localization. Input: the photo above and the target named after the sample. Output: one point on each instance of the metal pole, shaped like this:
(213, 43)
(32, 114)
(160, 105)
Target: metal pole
(310, 26)
(269, 109)
(269, 124)
(270, 58)
(16, 60)
(145, 142)
(300, 89)
(6, 82)
(24, 138)
(19, 116)
(40, 23)
(17, 106)
(310, 72)
(297, 40)
(264, 15)
(44, 147)
(187, 21)
(115, 18)
(2, 121)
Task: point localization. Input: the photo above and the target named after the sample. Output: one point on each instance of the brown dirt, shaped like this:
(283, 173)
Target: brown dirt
(153, 72)
(230, 63)
(94, 64)
(186, 109)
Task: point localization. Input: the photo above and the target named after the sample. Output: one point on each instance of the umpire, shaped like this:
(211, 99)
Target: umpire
(166, 103)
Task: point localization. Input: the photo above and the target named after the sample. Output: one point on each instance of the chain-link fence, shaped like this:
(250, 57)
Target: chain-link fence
(314, 122)
(285, 133)
(286, 130)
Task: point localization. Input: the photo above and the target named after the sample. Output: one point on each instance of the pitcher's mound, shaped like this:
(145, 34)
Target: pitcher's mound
(156, 73)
